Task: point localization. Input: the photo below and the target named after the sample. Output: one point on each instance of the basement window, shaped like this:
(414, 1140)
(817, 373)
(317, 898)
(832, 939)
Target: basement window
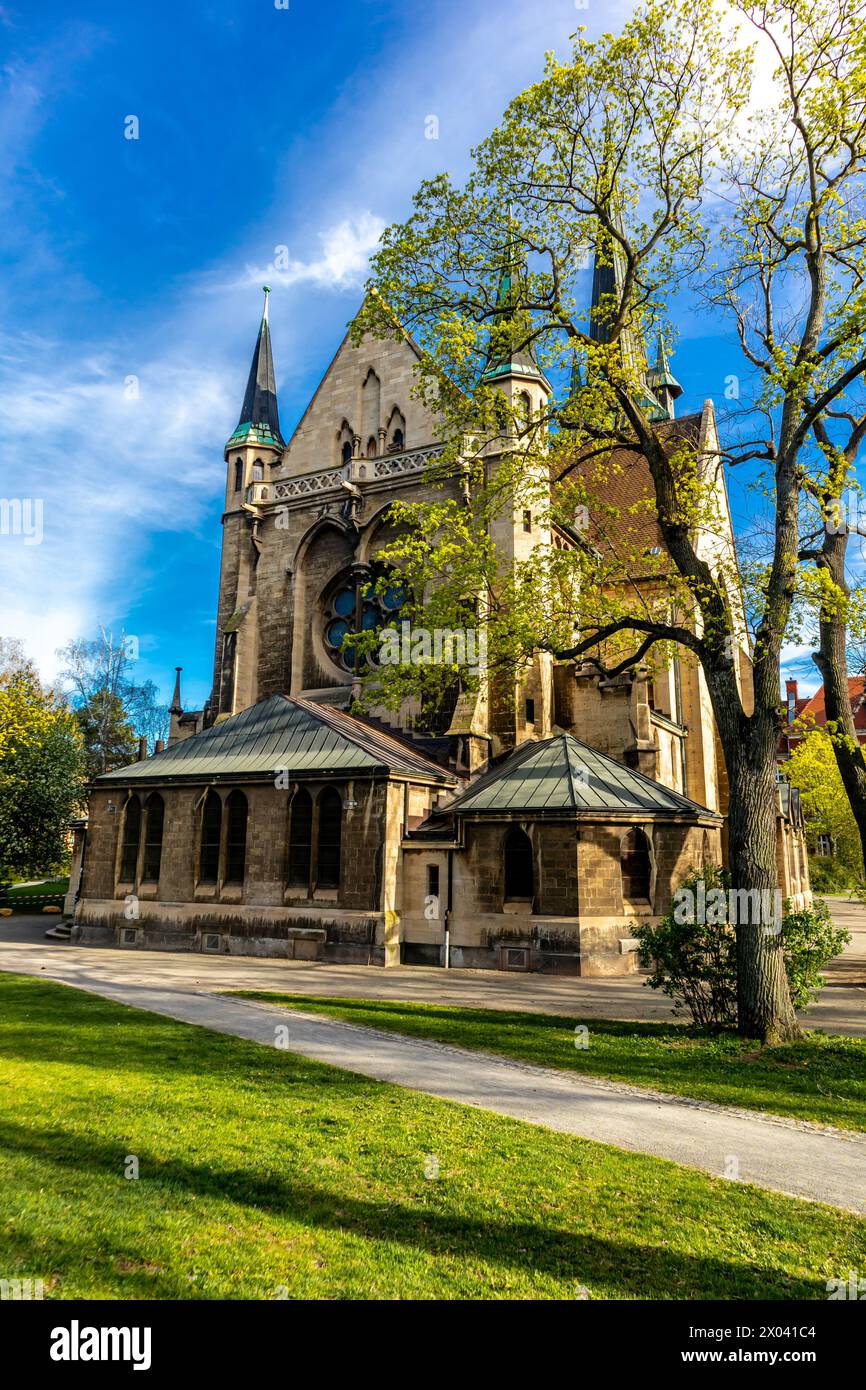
(128, 936)
(211, 941)
(515, 957)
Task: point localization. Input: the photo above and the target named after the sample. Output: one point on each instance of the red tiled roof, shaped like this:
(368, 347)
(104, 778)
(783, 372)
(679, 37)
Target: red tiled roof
(812, 711)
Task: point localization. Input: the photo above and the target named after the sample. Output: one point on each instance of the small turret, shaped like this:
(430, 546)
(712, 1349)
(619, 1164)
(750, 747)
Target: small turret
(175, 709)
(662, 381)
(511, 360)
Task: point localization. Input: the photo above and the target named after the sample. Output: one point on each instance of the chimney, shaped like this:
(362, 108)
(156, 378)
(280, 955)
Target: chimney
(142, 749)
(160, 745)
(791, 700)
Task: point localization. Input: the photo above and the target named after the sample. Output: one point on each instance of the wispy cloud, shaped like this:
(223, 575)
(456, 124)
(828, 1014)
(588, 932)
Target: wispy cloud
(346, 249)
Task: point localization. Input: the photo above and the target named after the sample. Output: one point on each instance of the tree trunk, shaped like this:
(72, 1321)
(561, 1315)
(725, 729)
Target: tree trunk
(764, 1007)
(832, 662)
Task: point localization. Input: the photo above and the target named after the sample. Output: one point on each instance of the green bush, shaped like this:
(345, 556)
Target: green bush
(809, 940)
(831, 875)
(694, 962)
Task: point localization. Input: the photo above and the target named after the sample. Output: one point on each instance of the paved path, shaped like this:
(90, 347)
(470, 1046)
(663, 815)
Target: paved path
(783, 1155)
(841, 1007)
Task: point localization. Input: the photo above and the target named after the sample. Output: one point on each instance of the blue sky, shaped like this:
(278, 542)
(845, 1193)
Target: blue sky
(131, 269)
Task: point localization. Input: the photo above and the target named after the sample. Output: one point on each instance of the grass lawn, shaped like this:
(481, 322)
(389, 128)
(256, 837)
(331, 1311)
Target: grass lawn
(262, 1174)
(822, 1078)
(39, 890)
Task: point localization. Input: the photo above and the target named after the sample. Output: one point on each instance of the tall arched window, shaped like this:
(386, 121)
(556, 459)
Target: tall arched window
(211, 826)
(634, 856)
(236, 837)
(330, 834)
(301, 839)
(258, 471)
(519, 875)
(347, 452)
(154, 820)
(239, 474)
(397, 440)
(706, 851)
(131, 837)
(371, 448)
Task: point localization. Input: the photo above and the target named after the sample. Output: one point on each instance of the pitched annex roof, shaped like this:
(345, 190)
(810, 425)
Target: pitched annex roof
(562, 775)
(305, 739)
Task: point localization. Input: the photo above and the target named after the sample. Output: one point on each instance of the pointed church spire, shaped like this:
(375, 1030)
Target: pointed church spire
(661, 379)
(176, 707)
(260, 416)
(510, 360)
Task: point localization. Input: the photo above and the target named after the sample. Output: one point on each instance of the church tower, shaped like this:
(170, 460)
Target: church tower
(255, 448)
(523, 707)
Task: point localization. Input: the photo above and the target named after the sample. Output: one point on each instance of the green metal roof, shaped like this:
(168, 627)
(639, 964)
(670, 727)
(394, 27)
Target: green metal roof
(561, 775)
(305, 739)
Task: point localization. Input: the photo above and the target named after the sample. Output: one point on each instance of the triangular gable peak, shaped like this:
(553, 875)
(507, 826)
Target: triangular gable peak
(364, 401)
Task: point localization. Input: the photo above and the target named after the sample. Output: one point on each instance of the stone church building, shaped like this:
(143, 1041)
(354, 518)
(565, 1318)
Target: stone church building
(527, 833)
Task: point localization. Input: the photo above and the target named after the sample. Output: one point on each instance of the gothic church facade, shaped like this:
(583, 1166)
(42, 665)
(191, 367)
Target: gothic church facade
(528, 832)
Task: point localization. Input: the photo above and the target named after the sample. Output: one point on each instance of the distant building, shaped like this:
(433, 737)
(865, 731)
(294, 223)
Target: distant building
(804, 715)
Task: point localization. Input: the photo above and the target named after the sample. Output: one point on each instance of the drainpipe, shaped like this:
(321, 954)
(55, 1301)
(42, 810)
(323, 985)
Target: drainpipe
(448, 910)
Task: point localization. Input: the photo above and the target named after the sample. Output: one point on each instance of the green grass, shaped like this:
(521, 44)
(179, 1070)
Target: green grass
(260, 1171)
(822, 1078)
(39, 890)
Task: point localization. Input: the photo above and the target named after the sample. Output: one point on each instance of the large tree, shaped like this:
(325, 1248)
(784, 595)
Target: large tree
(41, 771)
(640, 151)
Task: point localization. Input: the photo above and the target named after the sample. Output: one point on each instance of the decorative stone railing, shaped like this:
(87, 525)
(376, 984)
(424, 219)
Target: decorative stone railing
(356, 471)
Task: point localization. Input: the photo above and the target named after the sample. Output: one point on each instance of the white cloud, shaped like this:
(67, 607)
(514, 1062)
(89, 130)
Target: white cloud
(109, 468)
(345, 256)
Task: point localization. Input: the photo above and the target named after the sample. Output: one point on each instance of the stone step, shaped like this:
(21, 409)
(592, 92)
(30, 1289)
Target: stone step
(61, 932)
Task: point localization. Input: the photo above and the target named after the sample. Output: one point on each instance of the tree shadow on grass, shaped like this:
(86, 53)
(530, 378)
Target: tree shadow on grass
(574, 1257)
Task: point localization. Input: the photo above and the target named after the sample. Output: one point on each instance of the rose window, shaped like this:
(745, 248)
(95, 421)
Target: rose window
(355, 606)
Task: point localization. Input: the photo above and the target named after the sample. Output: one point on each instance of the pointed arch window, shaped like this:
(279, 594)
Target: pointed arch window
(131, 839)
(346, 453)
(329, 839)
(211, 829)
(301, 839)
(371, 448)
(154, 822)
(239, 474)
(519, 872)
(236, 837)
(636, 866)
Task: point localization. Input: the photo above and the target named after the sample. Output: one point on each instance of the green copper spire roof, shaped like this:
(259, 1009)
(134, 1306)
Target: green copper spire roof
(661, 376)
(260, 415)
(513, 361)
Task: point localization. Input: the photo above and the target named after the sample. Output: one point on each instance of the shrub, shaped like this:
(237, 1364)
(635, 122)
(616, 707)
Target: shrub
(694, 962)
(809, 939)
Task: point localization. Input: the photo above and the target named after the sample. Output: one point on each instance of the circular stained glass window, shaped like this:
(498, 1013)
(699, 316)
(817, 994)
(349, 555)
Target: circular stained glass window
(378, 611)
